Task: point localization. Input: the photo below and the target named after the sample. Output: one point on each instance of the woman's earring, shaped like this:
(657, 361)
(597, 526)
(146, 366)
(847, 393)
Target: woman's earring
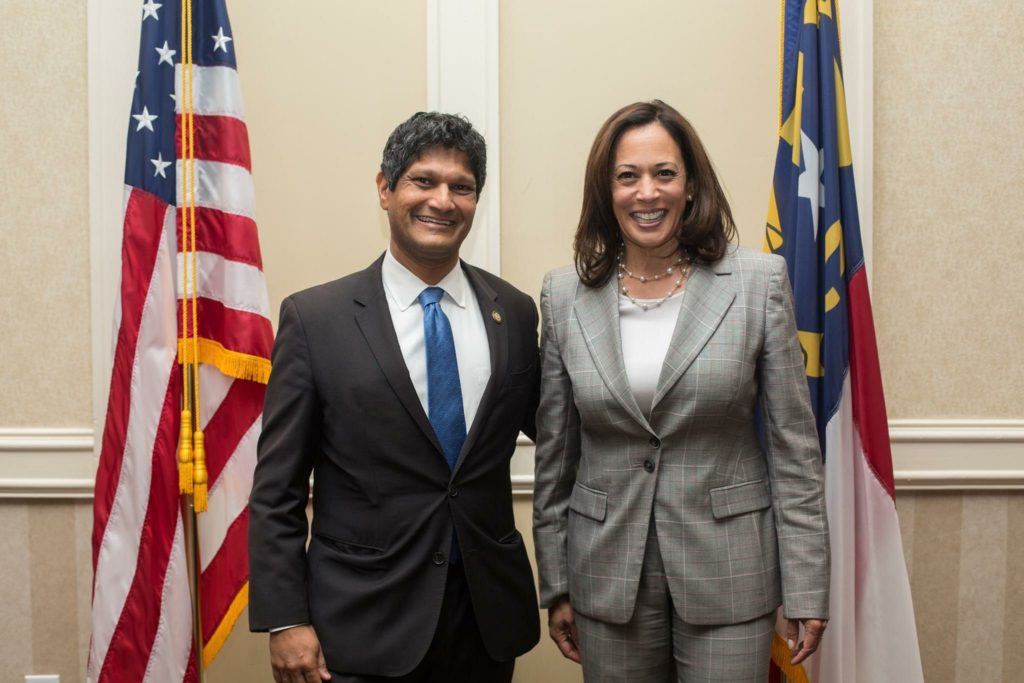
(689, 197)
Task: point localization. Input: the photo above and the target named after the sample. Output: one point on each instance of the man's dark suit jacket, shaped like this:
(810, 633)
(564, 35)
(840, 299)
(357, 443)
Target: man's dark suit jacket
(340, 404)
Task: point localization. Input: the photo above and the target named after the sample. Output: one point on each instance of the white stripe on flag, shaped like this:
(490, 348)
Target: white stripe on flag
(229, 495)
(154, 356)
(173, 642)
(213, 387)
(225, 187)
(216, 91)
(236, 285)
(869, 580)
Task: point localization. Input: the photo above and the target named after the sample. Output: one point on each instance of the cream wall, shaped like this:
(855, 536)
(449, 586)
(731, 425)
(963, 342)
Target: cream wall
(566, 66)
(44, 216)
(317, 121)
(949, 196)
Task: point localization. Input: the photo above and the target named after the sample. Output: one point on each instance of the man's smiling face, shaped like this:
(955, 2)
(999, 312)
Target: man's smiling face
(431, 208)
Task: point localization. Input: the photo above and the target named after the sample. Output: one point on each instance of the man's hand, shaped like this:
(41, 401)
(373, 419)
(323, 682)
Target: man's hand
(813, 630)
(562, 628)
(296, 657)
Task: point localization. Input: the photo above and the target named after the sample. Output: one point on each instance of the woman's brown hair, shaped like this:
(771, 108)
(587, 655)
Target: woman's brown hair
(706, 226)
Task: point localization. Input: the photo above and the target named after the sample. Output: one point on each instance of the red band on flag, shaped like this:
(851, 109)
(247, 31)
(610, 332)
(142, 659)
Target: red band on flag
(218, 138)
(230, 235)
(866, 379)
(236, 330)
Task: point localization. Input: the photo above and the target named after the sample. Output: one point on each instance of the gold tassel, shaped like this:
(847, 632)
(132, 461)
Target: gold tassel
(199, 501)
(185, 472)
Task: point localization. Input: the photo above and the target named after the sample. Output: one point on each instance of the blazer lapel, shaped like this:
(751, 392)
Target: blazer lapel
(597, 310)
(374, 321)
(707, 299)
(497, 342)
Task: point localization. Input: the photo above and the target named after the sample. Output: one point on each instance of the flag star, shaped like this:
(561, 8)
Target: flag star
(174, 97)
(160, 164)
(165, 53)
(145, 119)
(809, 185)
(149, 10)
(220, 41)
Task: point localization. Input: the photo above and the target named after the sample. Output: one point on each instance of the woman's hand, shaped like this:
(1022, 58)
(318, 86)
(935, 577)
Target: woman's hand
(562, 629)
(813, 630)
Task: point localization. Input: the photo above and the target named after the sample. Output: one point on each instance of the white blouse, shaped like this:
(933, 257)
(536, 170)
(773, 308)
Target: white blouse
(646, 336)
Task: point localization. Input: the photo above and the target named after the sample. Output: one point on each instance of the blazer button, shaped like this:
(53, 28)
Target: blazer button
(438, 558)
(655, 442)
(648, 465)
(453, 492)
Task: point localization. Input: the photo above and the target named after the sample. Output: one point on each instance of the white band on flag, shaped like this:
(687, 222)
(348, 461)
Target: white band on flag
(216, 91)
(225, 187)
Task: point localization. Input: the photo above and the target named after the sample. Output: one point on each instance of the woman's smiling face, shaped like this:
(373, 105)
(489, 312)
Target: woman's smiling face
(648, 188)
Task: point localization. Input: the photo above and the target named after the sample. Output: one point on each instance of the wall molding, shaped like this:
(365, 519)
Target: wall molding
(463, 78)
(46, 462)
(928, 455)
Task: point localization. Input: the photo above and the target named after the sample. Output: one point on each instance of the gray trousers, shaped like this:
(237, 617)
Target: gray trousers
(656, 646)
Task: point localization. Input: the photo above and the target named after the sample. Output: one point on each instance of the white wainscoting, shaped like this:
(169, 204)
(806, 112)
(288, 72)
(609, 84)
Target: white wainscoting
(59, 462)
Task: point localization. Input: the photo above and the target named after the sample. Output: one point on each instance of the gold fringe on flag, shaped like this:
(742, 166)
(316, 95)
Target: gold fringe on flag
(231, 363)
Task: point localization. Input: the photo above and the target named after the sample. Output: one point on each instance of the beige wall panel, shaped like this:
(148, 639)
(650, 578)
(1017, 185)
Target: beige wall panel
(83, 578)
(905, 512)
(979, 656)
(566, 66)
(321, 98)
(948, 190)
(44, 216)
(935, 583)
(1013, 621)
(16, 629)
(51, 547)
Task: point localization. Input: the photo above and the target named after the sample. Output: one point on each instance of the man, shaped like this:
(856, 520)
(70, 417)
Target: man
(402, 388)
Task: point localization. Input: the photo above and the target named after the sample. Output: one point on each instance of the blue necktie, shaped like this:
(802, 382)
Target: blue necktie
(444, 391)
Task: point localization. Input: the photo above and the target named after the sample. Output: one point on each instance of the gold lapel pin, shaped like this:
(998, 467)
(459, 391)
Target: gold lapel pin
(496, 317)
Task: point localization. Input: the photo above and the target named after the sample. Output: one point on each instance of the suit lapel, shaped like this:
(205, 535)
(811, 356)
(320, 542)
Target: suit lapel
(374, 321)
(597, 310)
(707, 299)
(497, 342)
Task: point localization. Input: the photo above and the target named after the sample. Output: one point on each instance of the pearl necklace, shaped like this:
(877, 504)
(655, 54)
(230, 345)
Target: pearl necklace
(684, 270)
(626, 272)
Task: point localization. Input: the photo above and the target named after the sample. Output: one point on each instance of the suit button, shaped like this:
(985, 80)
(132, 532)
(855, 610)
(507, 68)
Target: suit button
(438, 558)
(655, 442)
(648, 465)
(453, 492)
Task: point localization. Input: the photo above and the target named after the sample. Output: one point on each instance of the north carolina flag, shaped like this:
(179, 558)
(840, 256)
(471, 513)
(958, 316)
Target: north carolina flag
(812, 222)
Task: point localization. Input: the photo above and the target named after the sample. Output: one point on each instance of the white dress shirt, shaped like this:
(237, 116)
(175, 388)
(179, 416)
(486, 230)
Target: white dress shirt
(646, 336)
(459, 304)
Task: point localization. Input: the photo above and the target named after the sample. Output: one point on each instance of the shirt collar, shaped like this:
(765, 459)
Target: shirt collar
(404, 287)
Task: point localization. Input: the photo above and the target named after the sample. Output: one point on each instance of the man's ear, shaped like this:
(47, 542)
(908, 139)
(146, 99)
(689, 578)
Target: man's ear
(382, 190)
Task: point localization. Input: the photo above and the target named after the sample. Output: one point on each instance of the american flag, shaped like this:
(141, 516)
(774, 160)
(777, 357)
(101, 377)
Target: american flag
(142, 626)
(813, 223)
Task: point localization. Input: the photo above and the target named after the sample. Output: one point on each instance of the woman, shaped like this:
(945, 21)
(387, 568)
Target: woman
(666, 537)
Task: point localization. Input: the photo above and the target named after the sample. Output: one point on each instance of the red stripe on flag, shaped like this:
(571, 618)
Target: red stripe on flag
(143, 230)
(866, 378)
(225, 575)
(236, 330)
(217, 138)
(238, 411)
(226, 234)
(132, 640)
